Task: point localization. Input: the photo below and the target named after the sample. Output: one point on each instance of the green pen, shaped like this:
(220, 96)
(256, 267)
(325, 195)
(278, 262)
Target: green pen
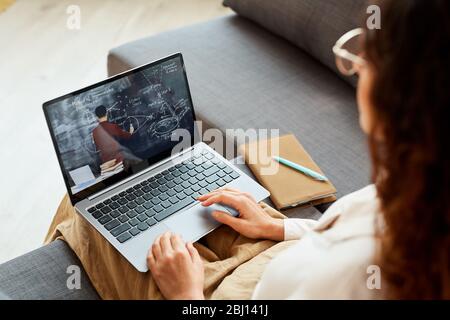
(300, 168)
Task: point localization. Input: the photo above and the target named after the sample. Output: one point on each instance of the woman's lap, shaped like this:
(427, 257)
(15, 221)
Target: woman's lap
(223, 251)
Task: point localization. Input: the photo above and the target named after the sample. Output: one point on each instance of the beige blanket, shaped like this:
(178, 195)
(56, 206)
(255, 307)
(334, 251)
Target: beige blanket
(233, 263)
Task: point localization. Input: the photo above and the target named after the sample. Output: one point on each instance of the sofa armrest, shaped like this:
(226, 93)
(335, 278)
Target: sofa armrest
(43, 274)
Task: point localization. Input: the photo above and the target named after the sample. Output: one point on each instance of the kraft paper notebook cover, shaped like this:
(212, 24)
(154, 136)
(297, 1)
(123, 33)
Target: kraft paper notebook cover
(288, 187)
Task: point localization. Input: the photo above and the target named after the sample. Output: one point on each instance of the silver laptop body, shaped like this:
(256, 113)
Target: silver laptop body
(132, 204)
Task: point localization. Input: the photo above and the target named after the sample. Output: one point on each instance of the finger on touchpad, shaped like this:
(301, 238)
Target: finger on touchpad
(228, 209)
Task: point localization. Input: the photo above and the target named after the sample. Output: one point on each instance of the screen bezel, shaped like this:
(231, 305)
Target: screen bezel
(83, 194)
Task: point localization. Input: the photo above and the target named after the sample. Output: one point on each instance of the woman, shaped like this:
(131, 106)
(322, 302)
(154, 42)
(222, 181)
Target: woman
(401, 224)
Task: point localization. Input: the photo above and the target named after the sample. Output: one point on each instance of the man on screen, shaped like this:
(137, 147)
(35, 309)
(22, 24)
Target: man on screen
(107, 136)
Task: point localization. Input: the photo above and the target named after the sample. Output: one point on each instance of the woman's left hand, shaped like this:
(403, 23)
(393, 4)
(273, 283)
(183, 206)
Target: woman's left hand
(176, 268)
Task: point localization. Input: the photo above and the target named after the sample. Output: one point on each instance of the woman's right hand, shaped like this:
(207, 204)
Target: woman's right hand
(252, 222)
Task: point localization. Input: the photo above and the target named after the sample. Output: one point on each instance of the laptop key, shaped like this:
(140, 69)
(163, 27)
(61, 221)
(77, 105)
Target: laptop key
(107, 201)
(163, 196)
(132, 205)
(155, 201)
(203, 183)
(138, 193)
(123, 218)
(139, 209)
(106, 210)
(100, 205)
(124, 237)
(112, 224)
(147, 196)
(227, 179)
(192, 173)
(114, 205)
(163, 188)
(132, 214)
(181, 196)
(151, 222)
(221, 165)
(142, 217)
(176, 173)
(175, 208)
(210, 171)
(195, 187)
(221, 173)
(142, 226)
(170, 184)
(185, 177)
(130, 197)
(234, 175)
(120, 229)
(154, 185)
(97, 214)
(134, 231)
(166, 204)
(148, 205)
(150, 213)
(169, 177)
(158, 208)
(122, 201)
(133, 222)
(221, 182)
(174, 200)
(115, 214)
(178, 188)
(177, 180)
(140, 200)
(212, 178)
(155, 192)
(124, 209)
(171, 193)
(105, 219)
(200, 176)
(91, 209)
(186, 184)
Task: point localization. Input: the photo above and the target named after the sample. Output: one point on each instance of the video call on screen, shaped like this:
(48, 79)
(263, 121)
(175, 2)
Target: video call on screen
(104, 130)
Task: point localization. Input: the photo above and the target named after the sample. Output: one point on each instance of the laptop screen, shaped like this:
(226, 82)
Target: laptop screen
(111, 130)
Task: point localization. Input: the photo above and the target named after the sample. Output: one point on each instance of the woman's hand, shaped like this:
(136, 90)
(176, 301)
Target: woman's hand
(252, 222)
(176, 268)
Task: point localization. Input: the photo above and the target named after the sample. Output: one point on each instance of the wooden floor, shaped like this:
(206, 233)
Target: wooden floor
(41, 59)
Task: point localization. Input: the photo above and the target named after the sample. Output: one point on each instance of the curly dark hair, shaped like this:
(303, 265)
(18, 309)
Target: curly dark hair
(411, 165)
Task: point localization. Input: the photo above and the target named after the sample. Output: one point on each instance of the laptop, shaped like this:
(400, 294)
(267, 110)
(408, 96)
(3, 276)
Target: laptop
(131, 162)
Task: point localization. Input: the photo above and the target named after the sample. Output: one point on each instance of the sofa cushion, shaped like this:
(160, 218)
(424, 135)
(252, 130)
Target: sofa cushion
(43, 274)
(242, 76)
(313, 25)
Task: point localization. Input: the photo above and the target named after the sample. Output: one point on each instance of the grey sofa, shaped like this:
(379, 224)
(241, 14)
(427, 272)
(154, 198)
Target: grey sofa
(245, 71)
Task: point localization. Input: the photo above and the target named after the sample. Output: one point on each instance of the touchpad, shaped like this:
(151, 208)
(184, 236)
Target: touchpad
(195, 222)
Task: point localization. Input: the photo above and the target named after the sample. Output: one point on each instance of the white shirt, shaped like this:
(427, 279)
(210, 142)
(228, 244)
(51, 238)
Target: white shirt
(333, 256)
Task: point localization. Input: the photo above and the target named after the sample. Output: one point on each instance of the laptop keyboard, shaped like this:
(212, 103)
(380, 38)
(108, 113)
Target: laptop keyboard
(135, 210)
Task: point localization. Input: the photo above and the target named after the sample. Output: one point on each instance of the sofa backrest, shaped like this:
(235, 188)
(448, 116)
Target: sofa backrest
(313, 25)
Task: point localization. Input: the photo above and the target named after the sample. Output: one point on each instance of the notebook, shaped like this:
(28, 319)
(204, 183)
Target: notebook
(288, 187)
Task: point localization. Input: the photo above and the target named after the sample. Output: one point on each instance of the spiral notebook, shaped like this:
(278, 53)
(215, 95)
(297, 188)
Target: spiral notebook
(288, 187)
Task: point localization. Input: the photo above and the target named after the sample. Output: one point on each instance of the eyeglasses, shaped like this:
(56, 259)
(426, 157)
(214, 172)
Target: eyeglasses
(348, 50)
